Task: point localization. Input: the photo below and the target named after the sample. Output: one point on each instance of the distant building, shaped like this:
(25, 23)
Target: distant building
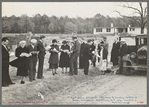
(116, 30)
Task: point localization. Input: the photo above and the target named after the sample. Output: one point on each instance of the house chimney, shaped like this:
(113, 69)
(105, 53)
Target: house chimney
(111, 24)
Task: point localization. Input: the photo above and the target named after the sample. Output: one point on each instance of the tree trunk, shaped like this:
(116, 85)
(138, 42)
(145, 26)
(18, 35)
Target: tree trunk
(142, 30)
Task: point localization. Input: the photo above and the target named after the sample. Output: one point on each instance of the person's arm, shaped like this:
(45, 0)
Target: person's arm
(4, 55)
(77, 47)
(40, 47)
(17, 52)
(125, 50)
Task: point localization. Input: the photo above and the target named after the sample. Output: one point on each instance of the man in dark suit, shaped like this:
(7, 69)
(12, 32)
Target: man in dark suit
(6, 81)
(73, 57)
(92, 56)
(114, 51)
(81, 54)
(32, 59)
(123, 51)
(86, 56)
(41, 49)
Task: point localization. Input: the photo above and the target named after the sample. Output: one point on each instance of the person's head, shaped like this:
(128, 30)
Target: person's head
(64, 42)
(42, 37)
(74, 38)
(33, 41)
(104, 38)
(54, 41)
(89, 41)
(116, 39)
(101, 44)
(22, 43)
(5, 40)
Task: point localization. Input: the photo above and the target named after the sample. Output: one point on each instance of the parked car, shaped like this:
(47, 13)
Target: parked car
(136, 59)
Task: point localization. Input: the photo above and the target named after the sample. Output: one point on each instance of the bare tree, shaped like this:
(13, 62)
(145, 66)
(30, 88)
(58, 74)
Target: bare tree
(142, 19)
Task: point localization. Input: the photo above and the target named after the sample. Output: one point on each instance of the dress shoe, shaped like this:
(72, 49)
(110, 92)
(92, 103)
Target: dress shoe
(40, 78)
(11, 83)
(34, 79)
(55, 72)
(22, 82)
(30, 80)
(5, 85)
(103, 72)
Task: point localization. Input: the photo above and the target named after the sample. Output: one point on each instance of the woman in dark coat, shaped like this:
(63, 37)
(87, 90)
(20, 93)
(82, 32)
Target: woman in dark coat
(53, 60)
(22, 52)
(64, 57)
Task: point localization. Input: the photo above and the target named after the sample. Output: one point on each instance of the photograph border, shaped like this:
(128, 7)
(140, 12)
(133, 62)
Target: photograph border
(78, 1)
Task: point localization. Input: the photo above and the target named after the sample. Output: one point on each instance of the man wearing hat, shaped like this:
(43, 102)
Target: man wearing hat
(41, 49)
(73, 57)
(86, 56)
(123, 51)
(32, 59)
(83, 44)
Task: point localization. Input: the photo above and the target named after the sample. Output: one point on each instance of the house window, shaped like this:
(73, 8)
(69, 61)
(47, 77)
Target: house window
(108, 30)
(99, 30)
(132, 29)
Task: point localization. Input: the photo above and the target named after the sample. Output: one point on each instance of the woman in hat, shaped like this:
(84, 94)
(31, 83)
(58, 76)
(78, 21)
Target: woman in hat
(53, 60)
(103, 57)
(64, 57)
(22, 52)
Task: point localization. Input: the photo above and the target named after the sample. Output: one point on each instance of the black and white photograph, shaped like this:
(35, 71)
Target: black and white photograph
(74, 53)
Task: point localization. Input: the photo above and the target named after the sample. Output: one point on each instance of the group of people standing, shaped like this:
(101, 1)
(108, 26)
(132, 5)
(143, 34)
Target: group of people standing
(27, 57)
(25, 62)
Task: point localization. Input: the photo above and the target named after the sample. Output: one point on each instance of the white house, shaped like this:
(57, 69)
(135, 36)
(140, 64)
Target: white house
(115, 30)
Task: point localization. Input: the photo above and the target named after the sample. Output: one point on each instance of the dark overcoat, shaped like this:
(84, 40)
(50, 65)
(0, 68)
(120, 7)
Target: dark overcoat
(54, 55)
(123, 50)
(5, 66)
(64, 57)
(23, 62)
(114, 52)
(86, 56)
(81, 55)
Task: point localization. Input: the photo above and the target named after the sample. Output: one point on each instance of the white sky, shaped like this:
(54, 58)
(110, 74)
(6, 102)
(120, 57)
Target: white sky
(71, 9)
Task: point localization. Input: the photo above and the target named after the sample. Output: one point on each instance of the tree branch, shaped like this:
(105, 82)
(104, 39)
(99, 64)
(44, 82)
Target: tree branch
(138, 21)
(145, 11)
(141, 9)
(131, 8)
(145, 23)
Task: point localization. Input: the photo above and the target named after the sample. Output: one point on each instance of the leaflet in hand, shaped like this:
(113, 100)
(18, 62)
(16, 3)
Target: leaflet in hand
(25, 54)
(34, 52)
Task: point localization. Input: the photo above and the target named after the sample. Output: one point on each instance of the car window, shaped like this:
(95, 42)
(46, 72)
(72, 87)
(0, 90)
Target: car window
(143, 41)
(129, 41)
